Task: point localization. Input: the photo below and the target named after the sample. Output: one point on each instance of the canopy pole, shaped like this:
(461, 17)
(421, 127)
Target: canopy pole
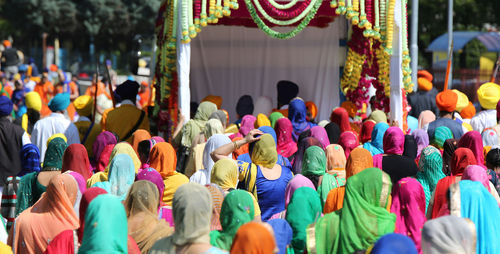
(414, 42)
(183, 69)
(396, 73)
(450, 39)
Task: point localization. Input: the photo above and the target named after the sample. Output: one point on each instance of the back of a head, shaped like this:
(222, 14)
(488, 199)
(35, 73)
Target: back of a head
(245, 106)
(143, 196)
(128, 90)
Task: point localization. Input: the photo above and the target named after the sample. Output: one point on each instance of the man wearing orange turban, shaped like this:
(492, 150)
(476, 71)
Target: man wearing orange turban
(446, 101)
(423, 99)
(488, 95)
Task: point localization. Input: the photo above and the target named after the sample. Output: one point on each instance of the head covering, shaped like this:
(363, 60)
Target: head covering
(104, 138)
(297, 113)
(217, 195)
(359, 160)
(196, 125)
(57, 135)
(150, 174)
(366, 131)
(244, 106)
(125, 148)
(424, 84)
(314, 162)
(105, 219)
(264, 152)
(237, 209)
(394, 140)
(462, 158)
(462, 101)
(286, 146)
(247, 124)
(84, 105)
(449, 234)
(262, 120)
(376, 145)
(33, 101)
(82, 187)
(217, 100)
(410, 147)
(449, 147)
(477, 173)
(263, 105)
(320, 134)
(408, 203)
(60, 102)
(468, 112)
(474, 142)
(422, 139)
(138, 136)
(221, 116)
(212, 127)
(395, 243)
(30, 159)
(89, 195)
(333, 131)
(76, 159)
(253, 238)
(469, 199)
(348, 140)
(103, 160)
(335, 158)
(341, 118)
(283, 234)
(350, 107)
(287, 90)
(127, 90)
(425, 117)
(274, 117)
(34, 229)
(312, 109)
(488, 95)
(441, 134)
(489, 137)
(54, 154)
(378, 116)
(121, 176)
(446, 101)
(225, 174)
(412, 124)
(141, 207)
(296, 182)
(301, 149)
(304, 209)
(6, 43)
(213, 143)
(6, 106)
(163, 158)
(430, 173)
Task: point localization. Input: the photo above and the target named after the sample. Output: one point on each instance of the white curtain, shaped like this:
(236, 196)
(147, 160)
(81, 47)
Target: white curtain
(231, 61)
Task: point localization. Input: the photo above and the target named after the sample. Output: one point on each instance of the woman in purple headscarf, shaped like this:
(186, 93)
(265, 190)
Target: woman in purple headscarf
(422, 139)
(102, 140)
(320, 134)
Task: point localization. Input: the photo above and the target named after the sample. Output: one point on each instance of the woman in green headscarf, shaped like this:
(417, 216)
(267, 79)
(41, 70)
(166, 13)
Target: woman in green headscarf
(304, 208)
(363, 219)
(33, 185)
(314, 168)
(441, 134)
(431, 171)
(237, 209)
(106, 221)
(273, 117)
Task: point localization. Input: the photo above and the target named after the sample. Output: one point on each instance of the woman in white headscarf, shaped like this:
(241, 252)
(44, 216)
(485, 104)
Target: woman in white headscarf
(214, 142)
(449, 234)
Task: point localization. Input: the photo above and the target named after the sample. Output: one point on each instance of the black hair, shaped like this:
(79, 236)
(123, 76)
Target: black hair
(144, 147)
(493, 158)
(304, 134)
(314, 179)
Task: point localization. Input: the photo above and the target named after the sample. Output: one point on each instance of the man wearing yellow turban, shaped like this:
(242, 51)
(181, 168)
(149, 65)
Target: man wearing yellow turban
(33, 104)
(423, 99)
(488, 95)
(84, 106)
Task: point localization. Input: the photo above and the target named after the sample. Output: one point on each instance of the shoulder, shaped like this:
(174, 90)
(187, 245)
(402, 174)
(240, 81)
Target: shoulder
(164, 245)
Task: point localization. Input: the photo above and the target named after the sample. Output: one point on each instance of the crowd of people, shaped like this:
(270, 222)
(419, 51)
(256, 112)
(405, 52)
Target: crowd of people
(271, 181)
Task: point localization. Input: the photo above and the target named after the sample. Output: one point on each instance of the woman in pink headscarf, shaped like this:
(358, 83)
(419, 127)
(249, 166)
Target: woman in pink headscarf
(479, 174)
(348, 140)
(320, 134)
(247, 124)
(408, 203)
(425, 117)
(296, 182)
(286, 146)
(474, 142)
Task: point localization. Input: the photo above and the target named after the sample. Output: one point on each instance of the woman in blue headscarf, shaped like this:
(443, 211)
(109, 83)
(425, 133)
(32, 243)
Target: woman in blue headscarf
(297, 113)
(121, 176)
(376, 146)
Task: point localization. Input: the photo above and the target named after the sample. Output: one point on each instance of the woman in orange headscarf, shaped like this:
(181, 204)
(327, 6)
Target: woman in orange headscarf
(138, 136)
(254, 238)
(48, 217)
(359, 160)
(163, 158)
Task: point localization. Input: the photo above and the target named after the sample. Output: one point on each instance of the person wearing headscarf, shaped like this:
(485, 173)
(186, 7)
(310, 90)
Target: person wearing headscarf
(84, 107)
(121, 176)
(378, 116)
(449, 234)
(320, 134)
(408, 203)
(392, 161)
(283, 235)
(333, 131)
(217, 100)
(488, 95)
(202, 176)
(359, 160)
(297, 113)
(137, 137)
(244, 107)
(441, 134)
(48, 217)
(490, 138)
(222, 116)
(395, 243)
(353, 227)
(446, 102)
(33, 185)
(75, 159)
(470, 199)
(425, 118)
(263, 105)
(237, 209)
(422, 139)
(195, 126)
(477, 173)
(335, 160)
(430, 165)
(474, 142)
(217, 195)
(162, 158)
(410, 147)
(438, 206)
(423, 99)
(274, 117)
(246, 125)
(376, 145)
(285, 145)
(365, 134)
(33, 104)
(102, 140)
(253, 238)
(141, 208)
(151, 175)
(301, 149)
(341, 118)
(304, 208)
(349, 141)
(127, 118)
(449, 147)
(262, 120)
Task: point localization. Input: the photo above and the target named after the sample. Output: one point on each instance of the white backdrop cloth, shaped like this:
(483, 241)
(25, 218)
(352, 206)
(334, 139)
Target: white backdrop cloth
(231, 61)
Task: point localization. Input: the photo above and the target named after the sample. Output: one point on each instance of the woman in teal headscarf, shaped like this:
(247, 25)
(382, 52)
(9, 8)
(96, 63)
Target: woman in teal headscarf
(121, 176)
(376, 145)
(304, 208)
(33, 185)
(237, 209)
(363, 219)
(470, 199)
(106, 221)
(431, 171)
(441, 134)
